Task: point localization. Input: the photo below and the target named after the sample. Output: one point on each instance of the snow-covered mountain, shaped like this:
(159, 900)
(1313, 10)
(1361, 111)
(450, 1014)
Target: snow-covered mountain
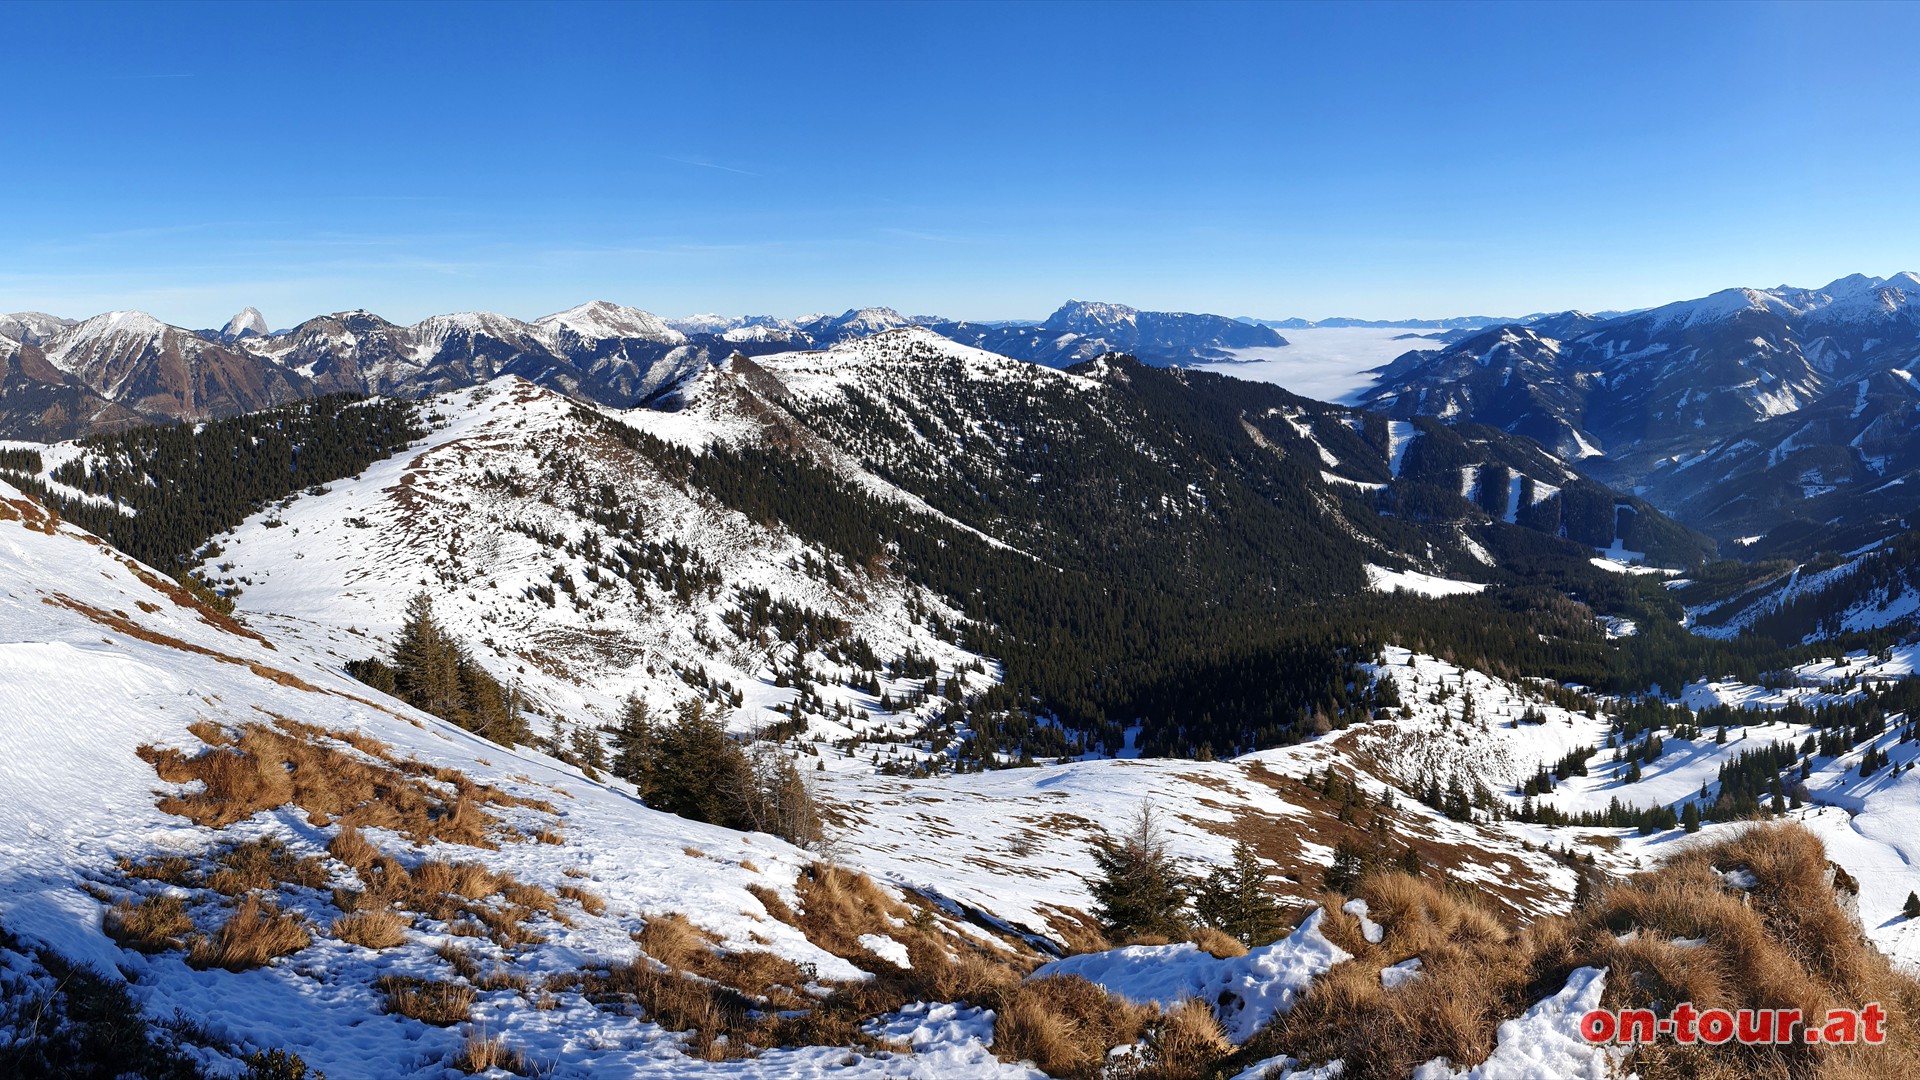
(128, 364)
(1742, 412)
(248, 323)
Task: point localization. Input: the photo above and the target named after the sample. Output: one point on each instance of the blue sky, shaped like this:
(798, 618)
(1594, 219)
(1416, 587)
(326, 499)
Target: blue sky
(972, 160)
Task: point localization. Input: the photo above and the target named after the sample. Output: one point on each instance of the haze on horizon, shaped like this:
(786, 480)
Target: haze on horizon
(984, 162)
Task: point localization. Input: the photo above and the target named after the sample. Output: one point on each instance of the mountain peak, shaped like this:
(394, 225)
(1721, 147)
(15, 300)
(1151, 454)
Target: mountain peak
(1083, 314)
(249, 323)
(600, 320)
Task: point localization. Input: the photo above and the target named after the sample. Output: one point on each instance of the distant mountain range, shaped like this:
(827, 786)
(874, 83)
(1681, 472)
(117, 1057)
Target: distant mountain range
(1788, 412)
(61, 378)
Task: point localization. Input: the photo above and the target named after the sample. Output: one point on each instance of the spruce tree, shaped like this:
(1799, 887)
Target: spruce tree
(634, 746)
(1912, 908)
(1140, 890)
(1234, 899)
(427, 664)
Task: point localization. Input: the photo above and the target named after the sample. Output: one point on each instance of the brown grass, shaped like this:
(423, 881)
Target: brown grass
(460, 958)
(715, 1017)
(350, 846)
(1064, 1025)
(430, 1001)
(265, 767)
(1186, 1043)
(376, 928)
(731, 1002)
(156, 924)
(499, 978)
(172, 869)
(253, 935)
(590, 902)
(264, 865)
(1216, 942)
(1786, 943)
(483, 1053)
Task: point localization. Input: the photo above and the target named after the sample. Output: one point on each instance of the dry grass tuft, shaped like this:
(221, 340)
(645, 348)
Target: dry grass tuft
(1786, 943)
(1217, 942)
(350, 846)
(1186, 1043)
(672, 940)
(484, 1053)
(460, 958)
(254, 934)
(156, 924)
(715, 1017)
(375, 928)
(431, 1001)
(1065, 1025)
(265, 767)
(264, 865)
(590, 902)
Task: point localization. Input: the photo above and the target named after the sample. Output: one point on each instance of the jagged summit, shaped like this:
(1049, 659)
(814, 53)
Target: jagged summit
(249, 323)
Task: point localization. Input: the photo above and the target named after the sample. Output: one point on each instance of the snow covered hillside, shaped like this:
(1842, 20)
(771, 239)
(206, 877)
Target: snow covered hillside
(118, 686)
(578, 572)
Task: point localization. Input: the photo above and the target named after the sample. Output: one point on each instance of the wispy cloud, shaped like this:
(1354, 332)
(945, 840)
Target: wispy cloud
(930, 237)
(707, 165)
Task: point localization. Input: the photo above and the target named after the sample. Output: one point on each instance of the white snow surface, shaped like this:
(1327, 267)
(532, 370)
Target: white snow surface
(1244, 991)
(79, 694)
(1545, 1042)
(1381, 579)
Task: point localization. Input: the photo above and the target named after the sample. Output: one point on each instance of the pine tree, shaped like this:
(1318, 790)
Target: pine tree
(426, 664)
(634, 746)
(588, 751)
(1690, 817)
(1351, 861)
(1912, 908)
(697, 769)
(1140, 890)
(1234, 899)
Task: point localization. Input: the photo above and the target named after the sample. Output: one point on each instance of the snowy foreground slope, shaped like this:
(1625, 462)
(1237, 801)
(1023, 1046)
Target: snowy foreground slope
(99, 657)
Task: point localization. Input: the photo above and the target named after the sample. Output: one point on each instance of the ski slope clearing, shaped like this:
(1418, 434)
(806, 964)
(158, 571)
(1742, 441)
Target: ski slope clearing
(1381, 579)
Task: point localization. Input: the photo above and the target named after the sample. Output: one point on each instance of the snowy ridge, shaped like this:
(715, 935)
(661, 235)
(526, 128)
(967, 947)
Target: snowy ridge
(337, 570)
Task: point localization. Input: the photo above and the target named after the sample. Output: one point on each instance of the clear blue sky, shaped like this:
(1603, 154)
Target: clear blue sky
(971, 160)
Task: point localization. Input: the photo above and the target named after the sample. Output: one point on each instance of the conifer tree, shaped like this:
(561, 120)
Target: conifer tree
(588, 751)
(1140, 889)
(1234, 899)
(1912, 908)
(633, 746)
(427, 664)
